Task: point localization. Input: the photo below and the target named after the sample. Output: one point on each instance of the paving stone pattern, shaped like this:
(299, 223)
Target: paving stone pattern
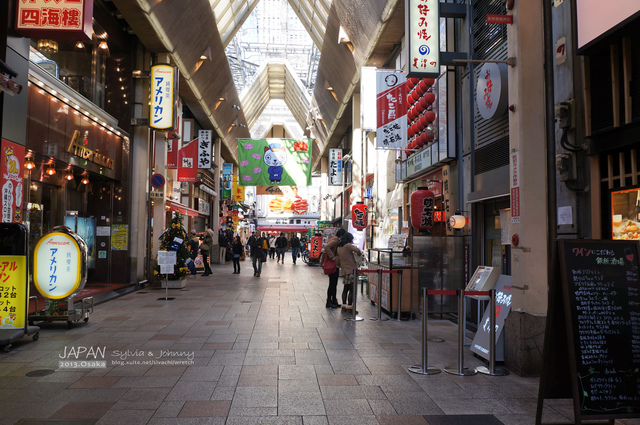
(237, 349)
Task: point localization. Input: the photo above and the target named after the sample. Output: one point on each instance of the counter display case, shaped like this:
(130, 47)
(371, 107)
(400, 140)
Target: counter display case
(388, 259)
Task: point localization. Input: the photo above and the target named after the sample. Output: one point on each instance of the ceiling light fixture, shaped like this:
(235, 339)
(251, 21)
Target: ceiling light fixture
(69, 175)
(29, 164)
(51, 170)
(85, 179)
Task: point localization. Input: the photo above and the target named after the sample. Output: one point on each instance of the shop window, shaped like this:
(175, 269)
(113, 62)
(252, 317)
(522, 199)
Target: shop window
(625, 214)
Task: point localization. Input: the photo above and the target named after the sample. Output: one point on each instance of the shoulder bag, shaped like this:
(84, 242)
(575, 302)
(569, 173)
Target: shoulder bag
(329, 266)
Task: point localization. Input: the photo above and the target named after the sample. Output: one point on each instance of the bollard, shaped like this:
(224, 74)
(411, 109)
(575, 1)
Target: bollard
(379, 318)
(354, 287)
(460, 369)
(492, 370)
(424, 369)
(399, 293)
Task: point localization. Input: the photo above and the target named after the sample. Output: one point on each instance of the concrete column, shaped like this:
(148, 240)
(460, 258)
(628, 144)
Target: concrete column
(215, 218)
(525, 327)
(357, 154)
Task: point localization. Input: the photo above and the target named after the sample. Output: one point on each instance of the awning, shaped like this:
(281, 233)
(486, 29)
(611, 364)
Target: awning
(289, 228)
(182, 209)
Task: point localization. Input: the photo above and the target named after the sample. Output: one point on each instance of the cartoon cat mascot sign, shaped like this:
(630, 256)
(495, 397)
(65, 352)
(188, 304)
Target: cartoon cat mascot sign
(275, 155)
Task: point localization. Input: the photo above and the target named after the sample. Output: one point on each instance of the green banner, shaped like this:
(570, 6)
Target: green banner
(274, 162)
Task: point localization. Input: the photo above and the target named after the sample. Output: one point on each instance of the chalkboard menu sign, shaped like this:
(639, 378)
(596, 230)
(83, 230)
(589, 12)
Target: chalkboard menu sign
(601, 303)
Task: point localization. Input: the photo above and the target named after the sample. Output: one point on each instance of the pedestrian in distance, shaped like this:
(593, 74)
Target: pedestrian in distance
(257, 252)
(295, 247)
(346, 249)
(205, 249)
(281, 247)
(223, 242)
(194, 243)
(331, 251)
(272, 247)
(237, 250)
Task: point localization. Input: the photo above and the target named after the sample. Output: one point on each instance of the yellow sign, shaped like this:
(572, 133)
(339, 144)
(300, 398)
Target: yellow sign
(238, 191)
(14, 291)
(57, 266)
(119, 237)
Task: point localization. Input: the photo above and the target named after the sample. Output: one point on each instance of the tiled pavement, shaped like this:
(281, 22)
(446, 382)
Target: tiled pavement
(236, 349)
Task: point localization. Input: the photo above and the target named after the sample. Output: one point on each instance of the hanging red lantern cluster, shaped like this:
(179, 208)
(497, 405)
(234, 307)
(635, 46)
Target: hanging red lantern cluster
(420, 114)
(359, 216)
(423, 204)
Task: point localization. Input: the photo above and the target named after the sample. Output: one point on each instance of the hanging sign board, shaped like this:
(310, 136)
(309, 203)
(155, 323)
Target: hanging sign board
(163, 91)
(167, 258)
(187, 169)
(11, 177)
(335, 167)
(59, 269)
(204, 149)
(68, 19)
(391, 109)
(422, 21)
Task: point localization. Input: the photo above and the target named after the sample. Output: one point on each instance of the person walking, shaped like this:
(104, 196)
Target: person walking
(205, 248)
(223, 242)
(331, 251)
(281, 247)
(295, 247)
(346, 249)
(257, 251)
(237, 250)
(272, 247)
(194, 243)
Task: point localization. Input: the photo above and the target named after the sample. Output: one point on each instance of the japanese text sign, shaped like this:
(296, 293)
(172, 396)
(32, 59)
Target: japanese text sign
(238, 191)
(57, 265)
(163, 88)
(14, 291)
(187, 169)
(204, 149)
(172, 153)
(391, 109)
(70, 19)
(11, 177)
(491, 90)
(514, 165)
(335, 167)
(316, 246)
(422, 24)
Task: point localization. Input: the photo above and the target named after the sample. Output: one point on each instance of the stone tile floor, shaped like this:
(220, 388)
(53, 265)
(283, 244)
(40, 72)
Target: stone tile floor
(236, 349)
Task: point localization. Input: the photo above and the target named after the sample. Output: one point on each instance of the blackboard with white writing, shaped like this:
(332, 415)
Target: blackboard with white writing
(601, 294)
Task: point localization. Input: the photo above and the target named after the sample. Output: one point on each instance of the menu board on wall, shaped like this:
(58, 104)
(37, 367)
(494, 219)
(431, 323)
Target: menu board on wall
(600, 296)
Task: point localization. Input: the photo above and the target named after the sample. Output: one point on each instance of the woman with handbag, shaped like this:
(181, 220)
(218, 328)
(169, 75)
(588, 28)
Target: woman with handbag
(205, 246)
(331, 253)
(237, 250)
(347, 266)
(257, 252)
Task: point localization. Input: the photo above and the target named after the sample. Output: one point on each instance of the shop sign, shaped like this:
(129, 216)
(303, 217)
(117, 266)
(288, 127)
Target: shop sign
(316, 246)
(204, 149)
(391, 109)
(419, 162)
(269, 190)
(76, 147)
(172, 152)
(14, 292)
(335, 167)
(238, 191)
(119, 237)
(480, 344)
(57, 269)
(423, 38)
(324, 225)
(492, 90)
(514, 165)
(163, 89)
(12, 169)
(187, 170)
(69, 19)
(227, 169)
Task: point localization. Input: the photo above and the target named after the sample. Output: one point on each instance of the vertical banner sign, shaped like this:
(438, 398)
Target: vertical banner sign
(14, 293)
(514, 164)
(316, 247)
(238, 191)
(204, 149)
(12, 169)
(227, 181)
(163, 85)
(187, 170)
(70, 19)
(422, 18)
(335, 167)
(391, 109)
(274, 162)
(172, 153)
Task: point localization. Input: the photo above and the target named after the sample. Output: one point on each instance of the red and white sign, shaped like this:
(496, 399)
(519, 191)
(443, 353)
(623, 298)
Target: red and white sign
(316, 247)
(492, 90)
(11, 177)
(57, 267)
(423, 38)
(187, 163)
(514, 165)
(172, 153)
(69, 19)
(391, 109)
(499, 19)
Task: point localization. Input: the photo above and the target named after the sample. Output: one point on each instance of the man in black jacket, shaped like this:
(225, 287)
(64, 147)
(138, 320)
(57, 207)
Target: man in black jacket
(295, 247)
(281, 247)
(223, 242)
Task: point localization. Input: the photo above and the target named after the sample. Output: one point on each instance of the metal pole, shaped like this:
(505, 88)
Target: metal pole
(399, 293)
(493, 370)
(424, 369)
(379, 318)
(152, 144)
(460, 369)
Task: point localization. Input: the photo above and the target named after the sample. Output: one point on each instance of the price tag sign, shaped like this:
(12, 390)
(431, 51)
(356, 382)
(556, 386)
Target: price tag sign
(167, 258)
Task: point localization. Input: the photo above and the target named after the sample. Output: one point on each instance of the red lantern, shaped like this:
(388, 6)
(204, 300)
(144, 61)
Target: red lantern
(427, 99)
(316, 246)
(424, 84)
(419, 141)
(429, 81)
(415, 96)
(422, 207)
(359, 217)
(430, 116)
